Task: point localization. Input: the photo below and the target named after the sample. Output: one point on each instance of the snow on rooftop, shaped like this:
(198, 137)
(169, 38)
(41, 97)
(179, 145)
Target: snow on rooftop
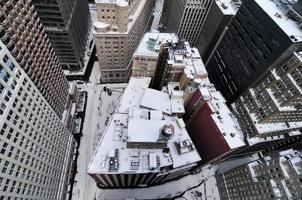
(289, 26)
(142, 130)
(121, 3)
(161, 38)
(132, 18)
(226, 6)
(132, 127)
(156, 100)
(133, 93)
(222, 116)
(98, 24)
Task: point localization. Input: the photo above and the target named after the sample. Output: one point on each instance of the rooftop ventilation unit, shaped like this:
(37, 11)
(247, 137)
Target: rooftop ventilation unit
(167, 131)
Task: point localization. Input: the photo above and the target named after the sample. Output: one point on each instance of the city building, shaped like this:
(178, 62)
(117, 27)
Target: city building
(208, 119)
(270, 112)
(262, 35)
(182, 64)
(185, 17)
(211, 125)
(275, 175)
(146, 56)
(23, 34)
(67, 24)
(117, 33)
(145, 142)
(36, 150)
(219, 16)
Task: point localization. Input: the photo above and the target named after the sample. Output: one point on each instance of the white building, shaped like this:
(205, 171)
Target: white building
(145, 143)
(35, 148)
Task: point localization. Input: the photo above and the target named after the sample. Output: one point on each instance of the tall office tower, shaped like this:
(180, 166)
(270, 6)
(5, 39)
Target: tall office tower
(36, 149)
(220, 14)
(146, 142)
(270, 112)
(273, 176)
(146, 55)
(22, 32)
(117, 33)
(262, 34)
(186, 18)
(67, 24)
(165, 15)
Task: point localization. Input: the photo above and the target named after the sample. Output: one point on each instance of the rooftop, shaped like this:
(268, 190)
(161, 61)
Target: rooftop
(158, 39)
(189, 59)
(274, 9)
(222, 116)
(142, 139)
(121, 3)
(227, 7)
(131, 18)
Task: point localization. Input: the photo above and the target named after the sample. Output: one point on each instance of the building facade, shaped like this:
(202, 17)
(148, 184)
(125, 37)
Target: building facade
(262, 35)
(36, 148)
(211, 125)
(23, 34)
(119, 28)
(219, 16)
(270, 112)
(273, 176)
(185, 17)
(67, 24)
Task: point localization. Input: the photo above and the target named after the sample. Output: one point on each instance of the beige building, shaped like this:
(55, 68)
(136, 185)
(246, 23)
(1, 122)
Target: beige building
(117, 33)
(146, 56)
(273, 176)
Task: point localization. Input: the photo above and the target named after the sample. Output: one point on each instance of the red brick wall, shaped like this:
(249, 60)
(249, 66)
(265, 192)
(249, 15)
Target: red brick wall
(202, 129)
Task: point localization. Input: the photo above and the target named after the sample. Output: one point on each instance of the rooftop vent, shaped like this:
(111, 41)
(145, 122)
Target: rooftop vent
(184, 146)
(167, 131)
(113, 160)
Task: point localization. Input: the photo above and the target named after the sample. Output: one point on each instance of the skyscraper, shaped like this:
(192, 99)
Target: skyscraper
(36, 150)
(117, 33)
(67, 24)
(23, 34)
(270, 112)
(185, 17)
(262, 35)
(272, 176)
(219, 16)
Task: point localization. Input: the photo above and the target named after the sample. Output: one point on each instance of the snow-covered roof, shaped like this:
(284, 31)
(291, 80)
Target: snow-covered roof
(161, 38)
(121, 3)
(133, 128)
(189, 60)
(289, 26)
(98, 24)
(226, 6)
(222, 116)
